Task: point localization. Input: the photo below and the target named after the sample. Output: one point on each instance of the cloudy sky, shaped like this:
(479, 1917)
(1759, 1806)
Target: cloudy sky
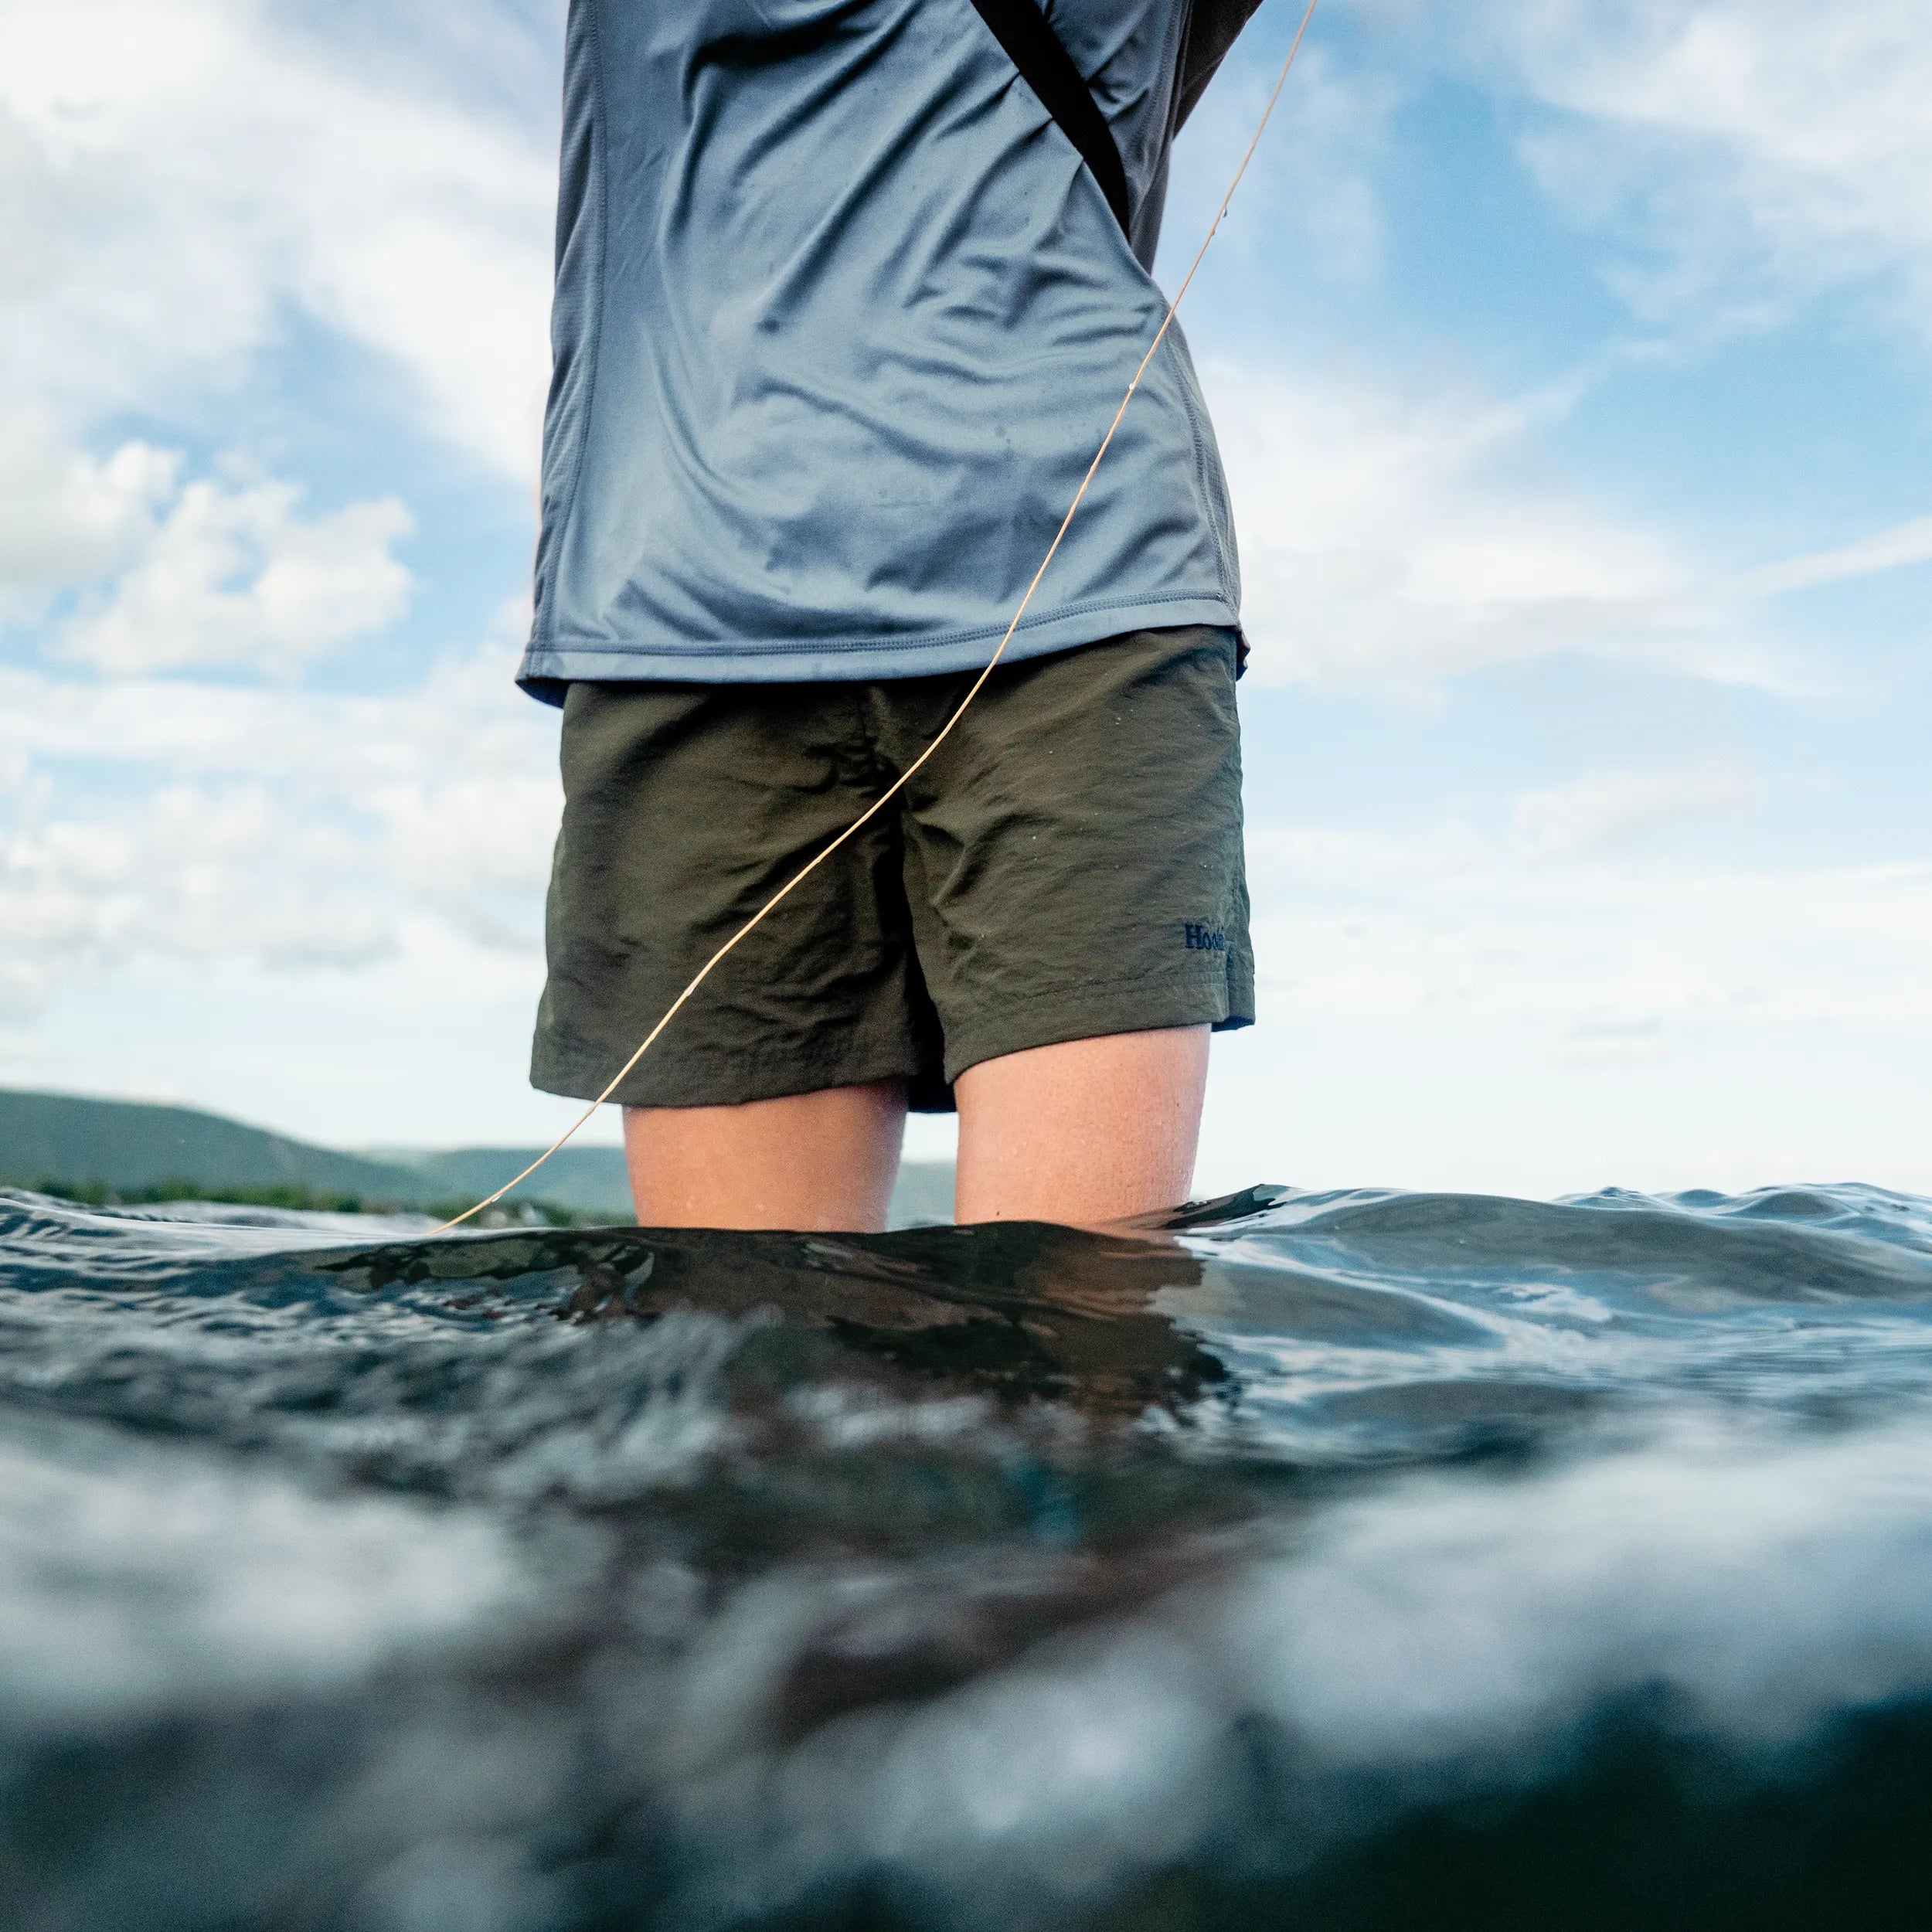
(1574, 373)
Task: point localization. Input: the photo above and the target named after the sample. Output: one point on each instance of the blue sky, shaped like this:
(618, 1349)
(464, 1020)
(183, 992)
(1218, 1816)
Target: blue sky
(1574, 379)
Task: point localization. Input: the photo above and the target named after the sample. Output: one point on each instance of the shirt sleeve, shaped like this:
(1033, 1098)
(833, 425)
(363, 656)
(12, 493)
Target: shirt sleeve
(1212, 29)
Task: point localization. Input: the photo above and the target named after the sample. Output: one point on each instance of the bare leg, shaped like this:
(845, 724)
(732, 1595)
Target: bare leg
(824, 1161)
(1090, 1130)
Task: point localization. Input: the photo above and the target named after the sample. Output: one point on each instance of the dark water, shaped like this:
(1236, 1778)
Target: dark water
(1348, 1560)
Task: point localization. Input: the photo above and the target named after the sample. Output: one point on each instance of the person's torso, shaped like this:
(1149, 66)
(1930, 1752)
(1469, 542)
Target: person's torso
(841, 318)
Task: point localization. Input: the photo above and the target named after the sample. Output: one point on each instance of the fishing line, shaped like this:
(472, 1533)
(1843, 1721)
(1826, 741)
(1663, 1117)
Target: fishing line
(899, 785)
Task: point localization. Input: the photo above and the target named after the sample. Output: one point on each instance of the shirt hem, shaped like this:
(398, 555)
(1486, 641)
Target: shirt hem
(551, 664)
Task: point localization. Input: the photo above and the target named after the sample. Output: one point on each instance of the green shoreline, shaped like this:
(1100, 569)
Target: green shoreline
(110, 1153)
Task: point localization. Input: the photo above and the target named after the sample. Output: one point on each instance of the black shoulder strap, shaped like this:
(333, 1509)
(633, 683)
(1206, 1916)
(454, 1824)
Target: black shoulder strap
(1033, 47)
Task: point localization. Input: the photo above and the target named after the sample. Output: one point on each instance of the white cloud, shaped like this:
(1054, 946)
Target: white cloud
(1902, 546)
(1754, 149)
(1452, 1006)
(1402, 538)
(234, 576)
(1594, 814)
(1559, 941)
(1736, 155)
(472, 844)
(183, 171)
(1396, 537)
(291, 830)
(66, 519)
(201, 873)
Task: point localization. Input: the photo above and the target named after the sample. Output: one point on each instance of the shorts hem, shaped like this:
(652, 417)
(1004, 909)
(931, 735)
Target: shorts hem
(727, 1076)
(720, 1076)
(1090, 1009)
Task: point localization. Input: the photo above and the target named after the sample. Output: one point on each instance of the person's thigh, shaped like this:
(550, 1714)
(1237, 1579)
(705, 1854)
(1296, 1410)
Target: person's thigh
(1076, 879)
(824, 1161)
(1029, 1147)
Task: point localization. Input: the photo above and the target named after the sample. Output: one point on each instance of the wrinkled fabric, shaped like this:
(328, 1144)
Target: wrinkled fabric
(841, 317)
(994, 907)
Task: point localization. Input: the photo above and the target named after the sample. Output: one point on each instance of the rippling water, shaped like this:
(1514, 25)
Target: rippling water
(1331, 1560)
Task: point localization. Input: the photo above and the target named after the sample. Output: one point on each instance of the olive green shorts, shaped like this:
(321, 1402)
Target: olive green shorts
(1068, 864)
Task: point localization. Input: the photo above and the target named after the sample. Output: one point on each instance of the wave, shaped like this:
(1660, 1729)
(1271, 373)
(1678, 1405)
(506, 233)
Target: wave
(1354, 1558)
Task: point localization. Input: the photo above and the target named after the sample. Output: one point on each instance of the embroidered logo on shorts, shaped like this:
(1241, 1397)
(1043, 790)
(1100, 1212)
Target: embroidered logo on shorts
(1203, 939)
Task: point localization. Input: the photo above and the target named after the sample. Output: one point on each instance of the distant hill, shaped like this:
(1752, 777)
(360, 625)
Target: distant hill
(131, 1146)
(588, 1180)
(594, 1181)
(63, 1141)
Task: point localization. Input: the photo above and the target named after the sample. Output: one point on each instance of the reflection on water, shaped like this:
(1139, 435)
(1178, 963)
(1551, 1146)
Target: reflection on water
(1359, 1559)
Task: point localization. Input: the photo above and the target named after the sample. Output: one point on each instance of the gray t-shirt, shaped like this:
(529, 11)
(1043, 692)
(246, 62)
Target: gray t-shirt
(841, 317)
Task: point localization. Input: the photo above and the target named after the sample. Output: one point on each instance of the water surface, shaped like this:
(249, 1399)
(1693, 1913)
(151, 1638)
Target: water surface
(1353, 1559)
